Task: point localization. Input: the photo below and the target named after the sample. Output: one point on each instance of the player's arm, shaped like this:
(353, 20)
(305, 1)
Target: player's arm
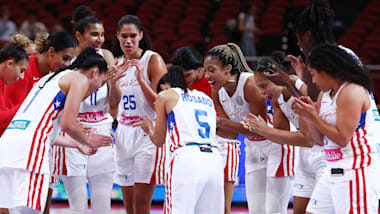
(257, 103)
(165, 99)
(114, 93)
(76, 86)
(69, 142)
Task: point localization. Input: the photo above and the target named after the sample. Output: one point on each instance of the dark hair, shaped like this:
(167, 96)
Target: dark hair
(87, 59)
(57, 40)
(317, 19)
(164, 79)
(337, 63)
(282, 59)
(13, 51)
(85, 22)
(265, 65)
(130, 19)
(176, 78)
(187, 58)
(80, 12)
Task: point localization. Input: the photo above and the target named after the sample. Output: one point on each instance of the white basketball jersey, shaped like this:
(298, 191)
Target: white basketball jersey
(133, 102)
(192, 120)
(286, 107)
(26, 142)
(358, 152)
(235, 106)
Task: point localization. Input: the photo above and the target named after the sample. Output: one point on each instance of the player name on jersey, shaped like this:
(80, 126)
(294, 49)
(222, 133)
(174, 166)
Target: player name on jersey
(196, 99)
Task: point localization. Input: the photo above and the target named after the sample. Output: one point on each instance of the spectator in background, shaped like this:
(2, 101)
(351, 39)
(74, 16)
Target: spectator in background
(247, 27)
(7, 26)
(31, 26)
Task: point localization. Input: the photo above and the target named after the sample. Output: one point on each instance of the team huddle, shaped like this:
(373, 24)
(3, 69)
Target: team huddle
(94, 116)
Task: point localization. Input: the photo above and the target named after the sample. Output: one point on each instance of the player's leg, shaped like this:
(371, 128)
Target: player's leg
(278, 194)
(76, 189)
(211, 187)
(230, 172)
(255, 187)
(48, 200)
(100, 192)
(143, 194)
(127, 192)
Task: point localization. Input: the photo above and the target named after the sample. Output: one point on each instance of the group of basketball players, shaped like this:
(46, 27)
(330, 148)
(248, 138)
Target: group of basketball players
(310, 128)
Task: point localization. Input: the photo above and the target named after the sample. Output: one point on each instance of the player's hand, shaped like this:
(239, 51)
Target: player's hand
(139, 68)
(145, 124)
(305, 107)
(116, 72)
(86, 149)
(298, 66)
(280, 78)
(97, 140)
(254, 123)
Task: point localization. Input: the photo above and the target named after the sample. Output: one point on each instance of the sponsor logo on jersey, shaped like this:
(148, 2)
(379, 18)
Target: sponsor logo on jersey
(239, 100)
(19, 124)
(333, 154)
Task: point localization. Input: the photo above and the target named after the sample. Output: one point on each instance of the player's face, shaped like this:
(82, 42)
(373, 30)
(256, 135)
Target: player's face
(319, 78)
(216, 73)
(304, 43)
(15, 71)
(129, 37)
(61, 58)
(97, 79)
(267, 87)
(93, 37)
(190, 76)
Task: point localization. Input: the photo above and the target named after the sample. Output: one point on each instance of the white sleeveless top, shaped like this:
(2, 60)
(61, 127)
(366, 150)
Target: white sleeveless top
(133, 102)
(235, 106)
(286, 106)
(192, 120)
(358, 152)
(26, 142)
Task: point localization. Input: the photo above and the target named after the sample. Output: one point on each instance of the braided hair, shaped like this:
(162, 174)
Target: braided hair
(317, 19)
(87, 59)
(230, 54)
(339, 64)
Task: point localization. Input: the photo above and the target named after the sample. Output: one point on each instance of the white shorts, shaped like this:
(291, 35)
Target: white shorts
(230, 151)
(22, 188)
(309, 169)
(277, 159)
(135, 156)
(355, 191)
(195, 182)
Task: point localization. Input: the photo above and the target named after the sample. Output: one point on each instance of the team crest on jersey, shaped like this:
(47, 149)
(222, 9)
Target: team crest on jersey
(59, 101)
(19, 124)
(239, 100)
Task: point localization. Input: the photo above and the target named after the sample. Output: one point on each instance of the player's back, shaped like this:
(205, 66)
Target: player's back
(192, 120)
(34, 126)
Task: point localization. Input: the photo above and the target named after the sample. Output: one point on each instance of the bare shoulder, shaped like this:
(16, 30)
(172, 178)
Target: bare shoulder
(156, 60)
(251, 91)
(108, 56)
(353, 91)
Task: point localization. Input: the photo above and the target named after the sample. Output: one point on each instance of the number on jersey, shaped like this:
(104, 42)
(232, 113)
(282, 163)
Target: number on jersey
(129, 102)
(204, 130)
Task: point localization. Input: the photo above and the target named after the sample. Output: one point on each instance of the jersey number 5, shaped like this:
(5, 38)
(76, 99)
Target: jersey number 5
(204, 130)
